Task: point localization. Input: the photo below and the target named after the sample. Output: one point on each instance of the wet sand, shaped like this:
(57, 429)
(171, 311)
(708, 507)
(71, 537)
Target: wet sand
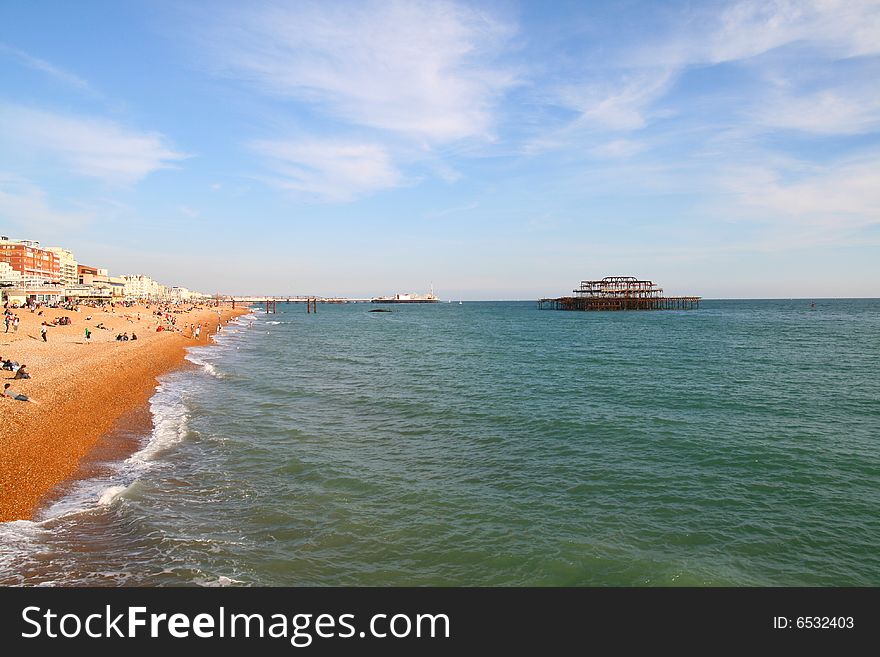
(81, 389)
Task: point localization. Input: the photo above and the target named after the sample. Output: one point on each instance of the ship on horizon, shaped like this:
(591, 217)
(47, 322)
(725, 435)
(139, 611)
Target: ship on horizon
(408, 298)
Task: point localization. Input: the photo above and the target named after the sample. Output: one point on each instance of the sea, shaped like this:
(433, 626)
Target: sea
(491, 444)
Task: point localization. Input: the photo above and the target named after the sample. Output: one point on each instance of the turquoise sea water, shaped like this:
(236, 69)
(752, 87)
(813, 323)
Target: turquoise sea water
(494, 444)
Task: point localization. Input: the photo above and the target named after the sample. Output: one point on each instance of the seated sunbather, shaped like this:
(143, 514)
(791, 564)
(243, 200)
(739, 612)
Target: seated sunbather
(11, 394)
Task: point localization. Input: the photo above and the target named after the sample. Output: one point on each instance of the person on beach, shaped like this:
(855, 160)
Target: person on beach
(21, 373)
(11, 394)
(88, 335)
(43, 331)
(133, 336)
(6, 321)
(15, 322)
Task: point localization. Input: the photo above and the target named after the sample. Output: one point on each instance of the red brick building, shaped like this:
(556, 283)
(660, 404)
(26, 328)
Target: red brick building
(28, 258)
(85, 269)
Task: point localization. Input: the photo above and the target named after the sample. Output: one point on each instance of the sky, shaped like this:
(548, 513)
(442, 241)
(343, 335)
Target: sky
(497, 150)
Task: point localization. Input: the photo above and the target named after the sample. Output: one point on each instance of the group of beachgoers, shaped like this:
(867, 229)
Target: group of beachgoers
(19, 371)
(10, 320)
(165, 319)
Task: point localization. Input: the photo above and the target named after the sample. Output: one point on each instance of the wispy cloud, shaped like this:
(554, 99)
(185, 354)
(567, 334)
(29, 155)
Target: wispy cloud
(459, 209)
(849, 111)
(619, 148)
(622, 105)
(87, 146)
(843, 195)
(421, 69)
(636, 89)
(24, 204)
(189, 212)
(750, 28)
(41, 65)
(329, 170)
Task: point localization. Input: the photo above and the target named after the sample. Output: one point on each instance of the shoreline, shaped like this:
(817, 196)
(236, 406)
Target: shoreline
(82, 391)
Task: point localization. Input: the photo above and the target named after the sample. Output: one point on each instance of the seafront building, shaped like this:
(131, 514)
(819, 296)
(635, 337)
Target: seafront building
(36, 265)
(140, 286)
(9, 277)
(29, 272)
(178, 293)
(68, 274)
(100, 279)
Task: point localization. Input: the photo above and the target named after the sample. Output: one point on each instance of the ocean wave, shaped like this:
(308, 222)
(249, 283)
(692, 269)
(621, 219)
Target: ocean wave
(18, 538)
(110, 494)
(206, 365)
(30, 553)
(221, 581)
(170, 423)
(210, 369)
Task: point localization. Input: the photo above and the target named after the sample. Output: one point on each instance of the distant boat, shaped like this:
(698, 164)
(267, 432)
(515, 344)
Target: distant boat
(459, 302)
(408, 298)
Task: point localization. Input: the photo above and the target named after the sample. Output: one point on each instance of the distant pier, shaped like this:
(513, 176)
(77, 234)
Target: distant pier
(619, 293)
(263, 300)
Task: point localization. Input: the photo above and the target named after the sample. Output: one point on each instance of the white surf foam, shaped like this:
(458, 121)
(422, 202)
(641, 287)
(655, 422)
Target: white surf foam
(170, 423)
(18, 539)
(111, 494)
(22, 540)
(207, 366)
(219, 582)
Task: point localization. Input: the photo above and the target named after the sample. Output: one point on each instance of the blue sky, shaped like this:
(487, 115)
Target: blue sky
(497, 150)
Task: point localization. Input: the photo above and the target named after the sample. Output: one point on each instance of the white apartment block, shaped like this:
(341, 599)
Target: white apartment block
(67, 262)
(139, 286)
(8, 275)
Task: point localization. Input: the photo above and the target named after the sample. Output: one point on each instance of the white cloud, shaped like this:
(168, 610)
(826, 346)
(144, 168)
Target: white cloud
(43, 66)
(622, 107)
(91, 147)
(446, 173)
(822, 30)
(189, 212)
(329, 170)
(842, 195)
(849, 27)
(746, 29)
(841, 111)
(619, 148)
(24, 204)
(420, 69)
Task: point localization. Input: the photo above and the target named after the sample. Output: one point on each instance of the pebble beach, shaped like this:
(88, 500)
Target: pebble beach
(81, 388)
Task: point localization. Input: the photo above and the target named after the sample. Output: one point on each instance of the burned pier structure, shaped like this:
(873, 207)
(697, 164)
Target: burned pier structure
(619, 293)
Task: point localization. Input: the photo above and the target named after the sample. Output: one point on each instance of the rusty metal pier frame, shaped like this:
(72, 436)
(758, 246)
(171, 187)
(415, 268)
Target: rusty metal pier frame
(619, 293)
